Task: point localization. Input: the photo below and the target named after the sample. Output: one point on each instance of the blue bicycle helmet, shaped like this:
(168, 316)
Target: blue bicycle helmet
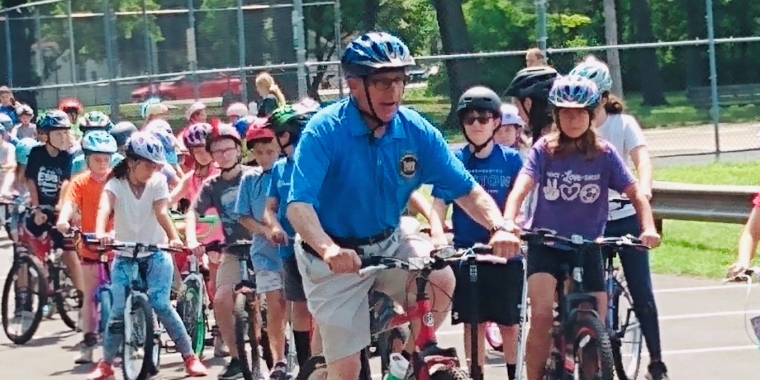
(52, 120)
(23, 148)
(163, 132)
(98, 141)
(595, 70)
(375, 51)
(146, 146)
(122, 131)
(573, 91)
(241, 125)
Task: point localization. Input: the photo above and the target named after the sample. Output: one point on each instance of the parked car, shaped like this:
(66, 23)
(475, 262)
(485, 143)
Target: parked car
(181, 87)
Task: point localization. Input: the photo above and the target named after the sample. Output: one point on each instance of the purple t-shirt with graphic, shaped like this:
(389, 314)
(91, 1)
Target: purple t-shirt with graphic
(572, 191)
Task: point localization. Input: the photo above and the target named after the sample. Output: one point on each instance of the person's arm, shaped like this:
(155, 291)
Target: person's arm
(105, 207)
(64, 189)
(643, 164)
(480, 206)
(10, 160)
(270, 218)
(161, 209)
(243, 206)
(311, 162)
(201, 203)
(8, 180)
(621, 180)
(30, 173)
(69, 203)
(438, 211)
(180, 190)
(748, 240)
(523, 186)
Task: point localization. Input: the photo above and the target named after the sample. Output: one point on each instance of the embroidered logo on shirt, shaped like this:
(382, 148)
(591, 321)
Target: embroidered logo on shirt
(408, 165)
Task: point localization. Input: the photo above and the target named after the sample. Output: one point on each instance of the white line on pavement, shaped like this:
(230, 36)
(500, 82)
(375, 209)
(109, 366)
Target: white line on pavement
(701, 288)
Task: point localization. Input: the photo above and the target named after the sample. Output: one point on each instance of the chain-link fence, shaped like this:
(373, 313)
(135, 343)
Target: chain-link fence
(113, 53)
(701, 83)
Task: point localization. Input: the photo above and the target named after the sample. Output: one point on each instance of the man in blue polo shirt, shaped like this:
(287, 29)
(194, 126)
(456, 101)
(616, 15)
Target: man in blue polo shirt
(356, 164)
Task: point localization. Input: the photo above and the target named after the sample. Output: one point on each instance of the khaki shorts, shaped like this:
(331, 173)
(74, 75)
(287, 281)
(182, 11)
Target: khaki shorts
(340, 302)
(228, 274)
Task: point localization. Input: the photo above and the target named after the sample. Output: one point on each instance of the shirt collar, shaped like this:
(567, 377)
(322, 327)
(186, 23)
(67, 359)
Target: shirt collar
(358, 127)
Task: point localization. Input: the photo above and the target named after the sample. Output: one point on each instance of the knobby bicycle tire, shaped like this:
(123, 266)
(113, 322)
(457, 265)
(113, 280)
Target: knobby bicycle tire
(623, 371)
(591, 326)
(140, 307)
(192, 317)
(245, 327)
(315, 368)
(35, 265)
(450, 373)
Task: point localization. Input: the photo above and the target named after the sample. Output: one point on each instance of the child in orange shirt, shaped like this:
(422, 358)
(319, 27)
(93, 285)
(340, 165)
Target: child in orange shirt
(83, 195)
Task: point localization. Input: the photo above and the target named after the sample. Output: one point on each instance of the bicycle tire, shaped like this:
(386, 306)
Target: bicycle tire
(59, 298)
(139, 308)
(245, 327)
(591, 326)
(192, 316)
(315, 368)
(450, 373)
(631, 370)
(36, 265)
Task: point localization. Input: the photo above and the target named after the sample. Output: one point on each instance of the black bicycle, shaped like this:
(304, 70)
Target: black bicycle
(580, 340)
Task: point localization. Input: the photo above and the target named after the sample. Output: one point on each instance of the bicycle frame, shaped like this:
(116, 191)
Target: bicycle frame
(384, 318)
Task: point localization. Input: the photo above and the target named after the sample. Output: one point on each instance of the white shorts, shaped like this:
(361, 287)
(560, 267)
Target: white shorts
(268, 281)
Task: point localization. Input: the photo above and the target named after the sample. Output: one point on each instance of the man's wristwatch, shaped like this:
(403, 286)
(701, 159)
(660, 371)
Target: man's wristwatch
(505, 226)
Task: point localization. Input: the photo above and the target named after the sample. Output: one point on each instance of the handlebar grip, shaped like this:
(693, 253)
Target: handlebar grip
(482, 249)
(371, 261)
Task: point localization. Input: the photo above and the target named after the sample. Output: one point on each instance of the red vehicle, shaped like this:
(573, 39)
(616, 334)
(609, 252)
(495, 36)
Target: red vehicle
(181, 87)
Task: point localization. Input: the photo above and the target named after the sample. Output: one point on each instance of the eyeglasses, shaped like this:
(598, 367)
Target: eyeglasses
(481, 119)
(223, 152)
(384, 83)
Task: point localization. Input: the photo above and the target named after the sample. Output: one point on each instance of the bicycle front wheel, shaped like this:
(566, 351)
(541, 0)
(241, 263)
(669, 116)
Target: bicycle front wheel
(593, 354)
(138, 343)
(628, 338)
(190, 308)
(66, 297)
(245, 327)
(20, 317)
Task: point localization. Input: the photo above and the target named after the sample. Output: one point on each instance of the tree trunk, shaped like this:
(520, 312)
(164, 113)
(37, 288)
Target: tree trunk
(455, 39)
(652, 91)
(613, 55)
(22, 37)
(695, 55)
(369, 15)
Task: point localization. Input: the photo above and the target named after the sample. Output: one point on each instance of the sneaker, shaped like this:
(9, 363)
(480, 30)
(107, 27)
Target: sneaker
(194, 367)
(657, 371)
(102, 371)
(85, 354)
(279, 371)
(232, 371)
(220, 349)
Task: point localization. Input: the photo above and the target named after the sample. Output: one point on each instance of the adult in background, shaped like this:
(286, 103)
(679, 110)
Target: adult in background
(534, 57)
(271, 95)
(8, 103)
(355, 166)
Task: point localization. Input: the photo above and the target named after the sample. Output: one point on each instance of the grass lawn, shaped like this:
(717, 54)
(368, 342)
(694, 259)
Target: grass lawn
(700, 248)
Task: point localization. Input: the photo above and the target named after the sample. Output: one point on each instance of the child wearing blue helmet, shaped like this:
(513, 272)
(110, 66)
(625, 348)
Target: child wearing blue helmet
(82, 197)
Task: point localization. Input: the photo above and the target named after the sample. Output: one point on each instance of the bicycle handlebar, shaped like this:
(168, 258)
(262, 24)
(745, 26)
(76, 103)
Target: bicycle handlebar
(439, 258)
(545, 236)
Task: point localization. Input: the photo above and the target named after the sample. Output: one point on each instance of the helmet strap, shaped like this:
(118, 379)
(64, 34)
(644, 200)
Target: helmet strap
(372, 114)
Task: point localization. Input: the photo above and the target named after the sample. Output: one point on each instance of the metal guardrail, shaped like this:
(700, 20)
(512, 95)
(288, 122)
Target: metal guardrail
(706, 203)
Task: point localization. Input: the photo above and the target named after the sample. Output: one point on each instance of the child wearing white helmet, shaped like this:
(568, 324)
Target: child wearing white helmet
(510, 133)
(236, 111)
(25, 128)
(137, 199)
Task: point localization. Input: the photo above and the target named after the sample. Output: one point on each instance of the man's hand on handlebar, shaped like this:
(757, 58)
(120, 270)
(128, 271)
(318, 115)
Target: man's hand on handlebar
(650, 238)
(63, 227)
(737, 269)
(342, 260)
(276, 236)
(104, 238)
(505, 244)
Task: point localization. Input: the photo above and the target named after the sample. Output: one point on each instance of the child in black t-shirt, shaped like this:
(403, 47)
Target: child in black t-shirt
(47, 176)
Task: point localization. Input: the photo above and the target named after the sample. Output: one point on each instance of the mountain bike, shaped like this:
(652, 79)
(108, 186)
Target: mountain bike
(429, 362)
(140, 348)
(577, 333)
(37, 270)
(626, 336)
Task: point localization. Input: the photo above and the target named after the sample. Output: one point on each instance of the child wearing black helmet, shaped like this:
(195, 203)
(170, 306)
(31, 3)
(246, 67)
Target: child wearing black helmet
(494, 167)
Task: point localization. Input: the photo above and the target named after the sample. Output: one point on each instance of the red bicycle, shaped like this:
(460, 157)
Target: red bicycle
(429, 362)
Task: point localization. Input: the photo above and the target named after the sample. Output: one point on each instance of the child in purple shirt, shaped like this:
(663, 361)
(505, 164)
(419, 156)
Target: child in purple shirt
(574, 170)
